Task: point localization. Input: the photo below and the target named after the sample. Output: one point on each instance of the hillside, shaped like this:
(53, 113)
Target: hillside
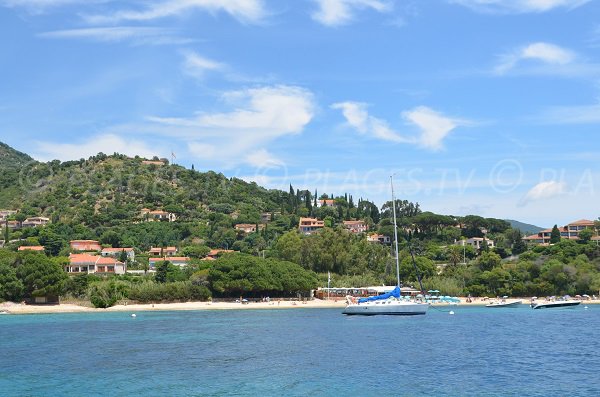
(525, 228)
(13, 165)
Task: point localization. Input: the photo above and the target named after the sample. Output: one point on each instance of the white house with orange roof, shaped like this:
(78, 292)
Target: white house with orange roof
(85, 245)
(379, 238)
(356, 226)
(181, 261)
(116, 253)
(326, 203)
(157, 215)
(163, 251)
(310, 225)
(94, 264)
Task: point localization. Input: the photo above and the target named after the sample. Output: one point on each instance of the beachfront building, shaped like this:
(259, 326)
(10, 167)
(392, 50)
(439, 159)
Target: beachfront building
(116, 253)
(379, 238)
(94, 264)
(356, 226)
(157, 215)
(37, 248)
(181, 261)
(163, 251)
(476, 242)
(248, 227)
(309, 226)
(570, 232)
(85, 245)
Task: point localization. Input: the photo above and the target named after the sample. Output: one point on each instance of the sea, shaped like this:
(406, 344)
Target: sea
(473, 351)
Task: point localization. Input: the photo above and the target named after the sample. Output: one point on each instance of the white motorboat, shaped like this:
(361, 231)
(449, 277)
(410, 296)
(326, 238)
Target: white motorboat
(504, 303)
(390, 303)
(557, 303)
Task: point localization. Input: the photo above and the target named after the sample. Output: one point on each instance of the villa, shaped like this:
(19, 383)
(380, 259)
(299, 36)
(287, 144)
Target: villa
(181, 261)
(379, 238)
(308, 226)
(569, 232)
(94, 264)
(248, 227)
(356, 226)
(85, 245)
(38, 248)
(116, 253)
(157, 215)
(326, 203)
(476, 242)
(4, 214)
(163, 251)
(35, 221)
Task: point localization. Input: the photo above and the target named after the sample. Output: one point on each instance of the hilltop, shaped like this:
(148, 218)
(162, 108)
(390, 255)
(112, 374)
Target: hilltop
(525, 228)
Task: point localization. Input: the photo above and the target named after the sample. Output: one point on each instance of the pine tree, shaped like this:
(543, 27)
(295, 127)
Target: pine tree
(555, 235)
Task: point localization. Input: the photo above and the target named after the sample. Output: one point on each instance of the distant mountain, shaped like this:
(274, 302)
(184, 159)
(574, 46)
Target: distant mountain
(525, 228)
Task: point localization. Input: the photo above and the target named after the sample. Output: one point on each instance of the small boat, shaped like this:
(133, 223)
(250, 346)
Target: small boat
(558, 303)
(504, 303)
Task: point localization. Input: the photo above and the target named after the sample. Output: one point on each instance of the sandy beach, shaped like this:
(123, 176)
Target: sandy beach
(19, 308)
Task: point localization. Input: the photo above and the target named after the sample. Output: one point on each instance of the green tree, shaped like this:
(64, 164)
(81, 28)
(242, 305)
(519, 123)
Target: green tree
(166, 272)
(555, 235)
(585, 235)
(288, 246)
(11, 288)
(455, 254)
(40, 275)
(489, 260)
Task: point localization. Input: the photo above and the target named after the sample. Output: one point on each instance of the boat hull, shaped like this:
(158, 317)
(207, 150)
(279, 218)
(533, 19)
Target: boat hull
(504, 304)
(386, 308)
(548, 305)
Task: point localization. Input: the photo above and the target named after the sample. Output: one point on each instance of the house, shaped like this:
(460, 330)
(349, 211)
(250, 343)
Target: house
(181, 261)
(13, 225)
(326, 203)
(116, 253)
(310, 225)
(35, 221)
(94, 264)
(85, 245)
(163, 251)
(38, 248)
(267, 217)
(157, 215)
(569, 232)
(476, 242)
(214, 253)
(379, 238)
(356, 226)
(4, 214)
(153, 162)
(248, 227)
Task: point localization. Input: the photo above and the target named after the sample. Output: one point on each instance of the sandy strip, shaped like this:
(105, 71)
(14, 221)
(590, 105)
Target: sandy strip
(17, 308)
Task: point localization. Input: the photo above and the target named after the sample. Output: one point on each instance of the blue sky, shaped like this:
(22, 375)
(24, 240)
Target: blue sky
(489, 107)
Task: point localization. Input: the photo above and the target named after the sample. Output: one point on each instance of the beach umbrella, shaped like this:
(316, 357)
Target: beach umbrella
(504, 297)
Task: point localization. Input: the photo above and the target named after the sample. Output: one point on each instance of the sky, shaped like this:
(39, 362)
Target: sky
(487, 107)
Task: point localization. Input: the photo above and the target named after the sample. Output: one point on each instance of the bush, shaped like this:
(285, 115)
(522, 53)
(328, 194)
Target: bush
(179, 291)
(106, 294)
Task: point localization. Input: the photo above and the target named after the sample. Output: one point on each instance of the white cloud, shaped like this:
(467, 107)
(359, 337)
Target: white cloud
(340, 12)
(196, 65)
(40, 6)
(518, 6)
(544, 190)
(141, 35)
(243, 10)
(106, 143)
(433, 126)
(261, 116)
(545, 53)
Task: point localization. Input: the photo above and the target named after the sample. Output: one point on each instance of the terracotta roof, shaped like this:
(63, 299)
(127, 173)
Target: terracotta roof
(31, 248)
(83, 258)
(354, 222)
(84, 241)
(117, 249)
(582, 222)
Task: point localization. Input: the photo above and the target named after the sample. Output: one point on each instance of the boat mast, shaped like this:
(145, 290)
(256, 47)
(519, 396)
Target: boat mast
(395, 230)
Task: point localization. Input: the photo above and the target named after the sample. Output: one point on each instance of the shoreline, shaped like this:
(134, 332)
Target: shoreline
(19, 308)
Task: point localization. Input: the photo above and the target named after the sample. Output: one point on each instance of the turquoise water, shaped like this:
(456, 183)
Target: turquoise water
(302, 352)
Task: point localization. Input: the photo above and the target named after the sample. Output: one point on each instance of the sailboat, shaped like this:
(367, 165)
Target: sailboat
(391, 303)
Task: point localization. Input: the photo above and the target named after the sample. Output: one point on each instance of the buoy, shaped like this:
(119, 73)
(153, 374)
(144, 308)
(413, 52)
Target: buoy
(133, 315)
(451, 312)
(585, 307)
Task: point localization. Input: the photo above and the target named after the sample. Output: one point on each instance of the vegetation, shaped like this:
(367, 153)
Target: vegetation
(101, 198)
